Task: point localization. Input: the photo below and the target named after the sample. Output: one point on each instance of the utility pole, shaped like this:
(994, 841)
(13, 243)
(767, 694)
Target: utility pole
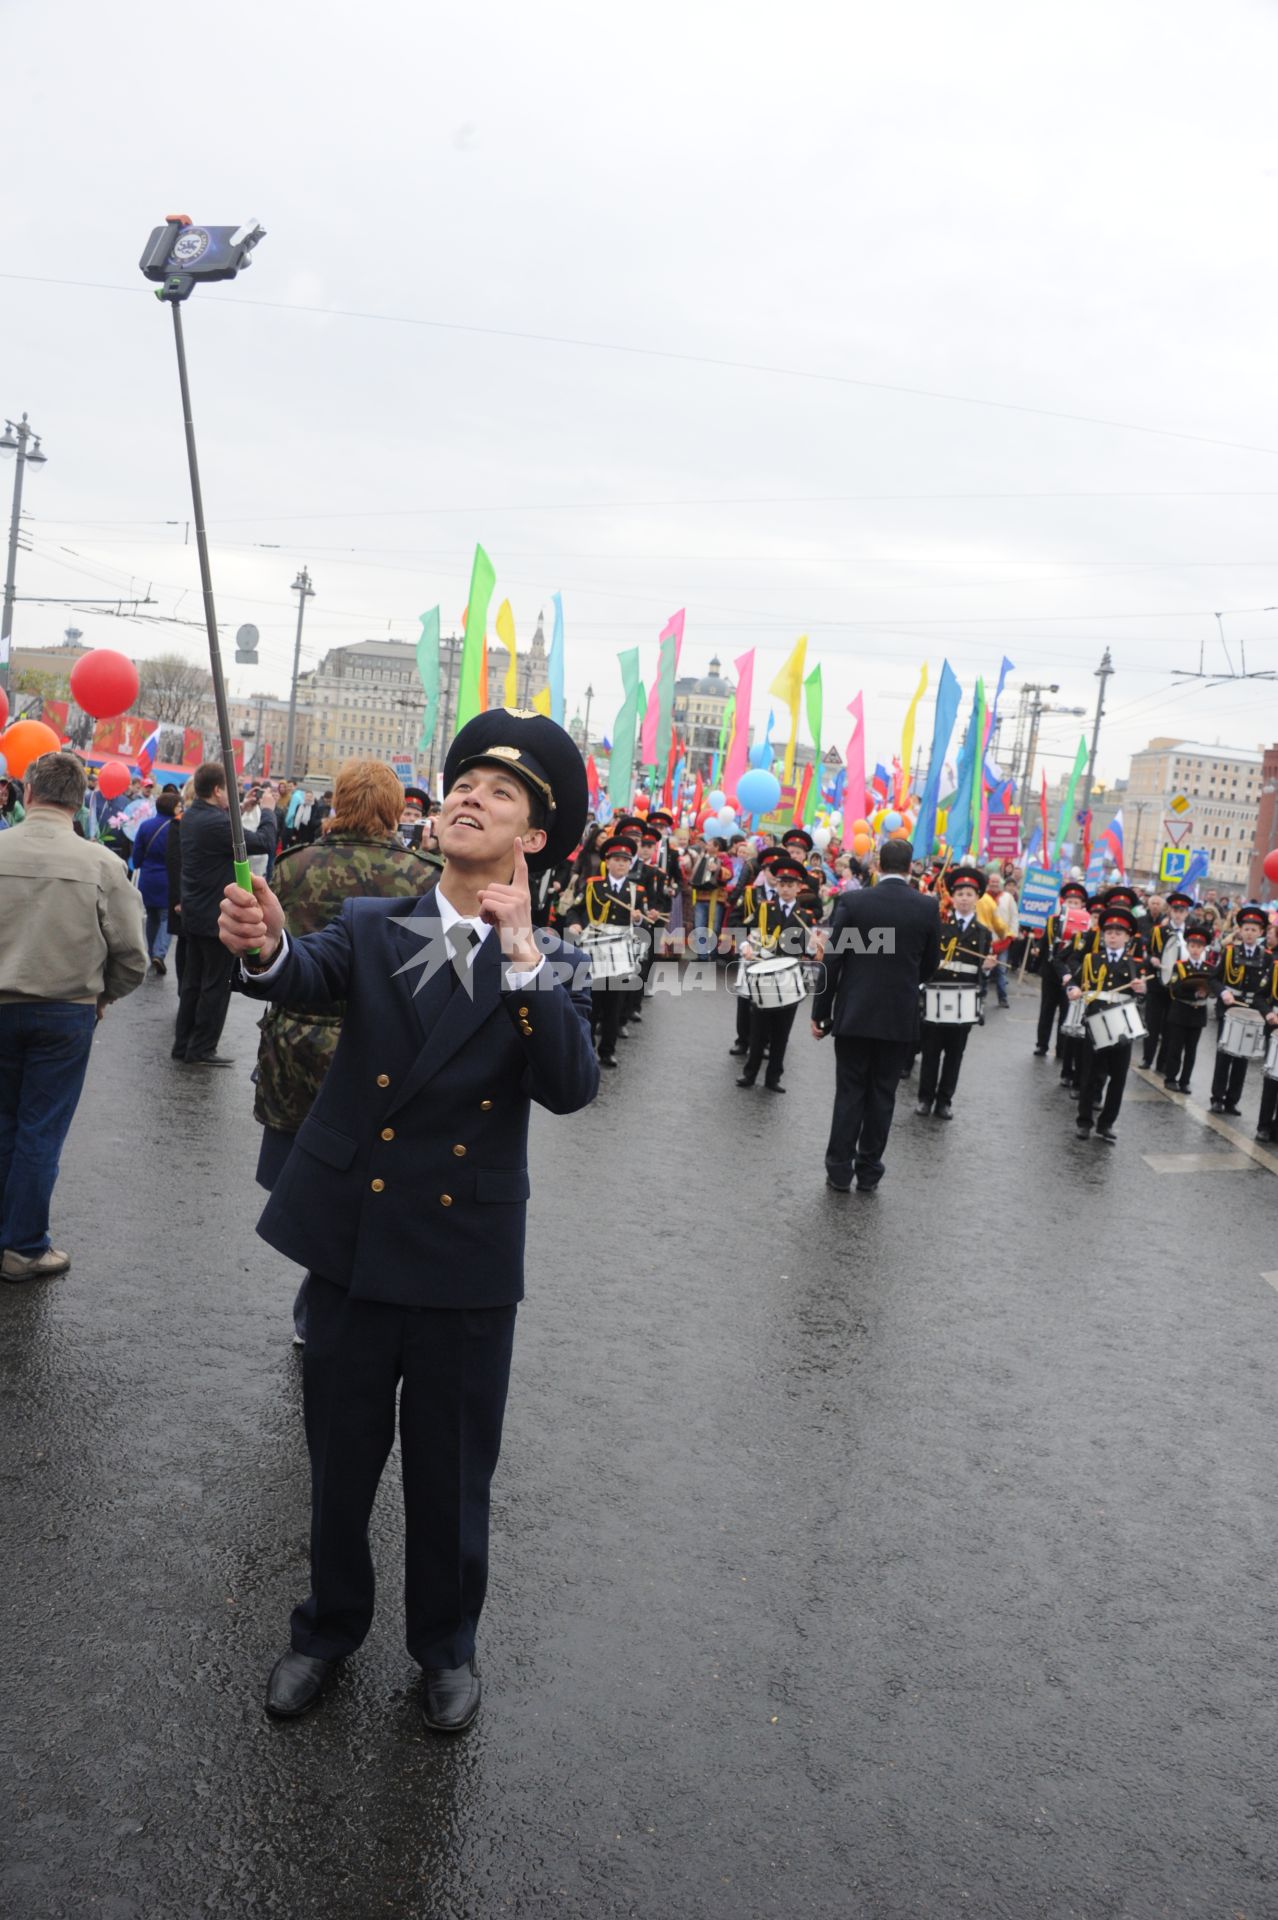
(1104, 672)
(305, 591)
(585, 736)
(14, 440)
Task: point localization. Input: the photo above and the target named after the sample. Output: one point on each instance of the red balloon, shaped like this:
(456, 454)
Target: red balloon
(4, 709)
(25, 741)
(104, 683)
(113, 778)
(1271, 866)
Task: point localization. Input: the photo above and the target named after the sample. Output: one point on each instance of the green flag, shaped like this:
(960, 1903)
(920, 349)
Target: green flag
(621, 766)
(428, 674)
(725, 734)
(1067, 809)
(483, 579)
(813, 701)
(665, 699)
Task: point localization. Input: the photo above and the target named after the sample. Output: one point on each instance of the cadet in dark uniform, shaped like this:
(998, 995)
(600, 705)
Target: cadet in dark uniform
(1111, 968)
(406, 1193)
(614, 898)
(1267, 1120)
(1166, 933)
(1189, 985)
(743, 906)
(1067, 958)
(1243, 975)
(779, 930)
(1051, 995)
(965, 957)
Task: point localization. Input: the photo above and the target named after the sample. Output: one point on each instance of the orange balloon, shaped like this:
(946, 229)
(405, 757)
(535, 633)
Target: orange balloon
(24, 742)
(861, 826)
(862, 845)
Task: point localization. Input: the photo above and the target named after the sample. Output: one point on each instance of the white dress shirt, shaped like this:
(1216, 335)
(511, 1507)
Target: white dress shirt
(449, 918)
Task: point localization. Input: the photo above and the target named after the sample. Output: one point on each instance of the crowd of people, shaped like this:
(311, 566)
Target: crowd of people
(401, 1045)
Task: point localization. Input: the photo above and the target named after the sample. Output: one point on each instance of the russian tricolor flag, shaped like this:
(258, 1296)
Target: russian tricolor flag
(148, 752)
(1112, 838)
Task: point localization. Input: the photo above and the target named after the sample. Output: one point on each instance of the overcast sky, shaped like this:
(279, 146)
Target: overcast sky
(770, 220)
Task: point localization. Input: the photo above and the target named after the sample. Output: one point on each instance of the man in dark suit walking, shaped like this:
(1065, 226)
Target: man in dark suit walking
(883, 944)
(406, 1191)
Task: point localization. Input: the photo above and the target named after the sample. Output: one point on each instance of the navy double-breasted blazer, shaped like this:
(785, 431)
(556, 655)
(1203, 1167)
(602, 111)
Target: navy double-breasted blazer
(408, 1181)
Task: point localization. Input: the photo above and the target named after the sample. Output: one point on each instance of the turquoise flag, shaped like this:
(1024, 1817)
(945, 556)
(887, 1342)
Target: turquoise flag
(621, 764)
(555, 664)
(428, 674)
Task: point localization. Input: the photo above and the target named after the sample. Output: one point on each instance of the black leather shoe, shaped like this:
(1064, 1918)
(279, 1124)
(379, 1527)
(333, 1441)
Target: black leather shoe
(773, 1086)
(1236, 1112)
(738, 1053)
(1040, 1053)
(943, 1110)
(924, 1109)
(607, 1060)
(843, 1186)
(746, 1080)
(1106, 1134)
(1083, 1130)
(296, 1683)
(450, 1697)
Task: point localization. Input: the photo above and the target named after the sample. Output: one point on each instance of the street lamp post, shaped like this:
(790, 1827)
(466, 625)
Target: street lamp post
(14, 440)
(305, 591)
(585, 733)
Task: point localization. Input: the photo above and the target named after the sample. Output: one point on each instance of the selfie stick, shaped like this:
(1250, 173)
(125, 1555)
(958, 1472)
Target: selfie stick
(178, 254)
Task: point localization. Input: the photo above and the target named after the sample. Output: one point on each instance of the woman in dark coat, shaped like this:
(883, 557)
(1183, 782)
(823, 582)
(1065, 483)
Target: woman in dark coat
(150, 864)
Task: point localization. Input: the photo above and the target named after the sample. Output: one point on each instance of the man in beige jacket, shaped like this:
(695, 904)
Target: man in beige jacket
(71, 941)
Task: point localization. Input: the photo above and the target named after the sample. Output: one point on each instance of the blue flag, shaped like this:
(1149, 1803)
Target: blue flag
(948, 696)
(555, 664)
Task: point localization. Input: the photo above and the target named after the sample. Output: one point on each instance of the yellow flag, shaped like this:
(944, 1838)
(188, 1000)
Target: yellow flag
(506, 634)
(541, 701)
(788, 686)
(907, 735)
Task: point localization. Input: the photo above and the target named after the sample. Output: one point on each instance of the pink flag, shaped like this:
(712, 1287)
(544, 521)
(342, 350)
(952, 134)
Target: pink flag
(648, 745)
(739, 746)
(854, 789)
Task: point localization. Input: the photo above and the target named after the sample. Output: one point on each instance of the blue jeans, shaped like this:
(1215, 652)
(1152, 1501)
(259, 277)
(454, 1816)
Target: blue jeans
(705, 936)
(44, 1054)
(157, 932)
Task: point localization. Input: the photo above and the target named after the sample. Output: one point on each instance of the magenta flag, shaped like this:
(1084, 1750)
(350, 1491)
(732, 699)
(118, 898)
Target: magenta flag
(652, 750)
(854, 790)
(739, 748)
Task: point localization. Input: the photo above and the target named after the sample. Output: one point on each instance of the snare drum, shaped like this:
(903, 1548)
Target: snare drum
(612, 953)
(1072, 1024)
(951, 1006)
(775, 983)
(1243, 1034)
(1271, 1060)
(1112, 1022)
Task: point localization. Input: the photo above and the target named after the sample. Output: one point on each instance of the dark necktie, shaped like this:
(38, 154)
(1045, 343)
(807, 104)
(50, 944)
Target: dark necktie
(461, 937)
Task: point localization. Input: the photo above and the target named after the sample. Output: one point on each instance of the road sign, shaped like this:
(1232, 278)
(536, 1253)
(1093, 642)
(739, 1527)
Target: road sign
(1173, 863)
(1179, 804)
(246, 640)
(1038, 897)
(402, 768)
(1177, 830)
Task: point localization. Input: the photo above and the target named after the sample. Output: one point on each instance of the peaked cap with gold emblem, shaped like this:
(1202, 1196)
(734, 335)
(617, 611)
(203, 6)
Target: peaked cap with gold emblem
(543, 756)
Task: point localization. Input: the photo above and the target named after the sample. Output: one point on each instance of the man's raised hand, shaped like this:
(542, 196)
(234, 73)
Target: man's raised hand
(509, 909)
(250, 922)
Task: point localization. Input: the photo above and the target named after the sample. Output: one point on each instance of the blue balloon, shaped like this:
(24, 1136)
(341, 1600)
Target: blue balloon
(716, 799)
(714, 830)
(4, 767)
(758, 792)
(761, 757)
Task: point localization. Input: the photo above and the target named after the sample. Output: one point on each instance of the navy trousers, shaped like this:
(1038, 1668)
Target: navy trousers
(452, 1366)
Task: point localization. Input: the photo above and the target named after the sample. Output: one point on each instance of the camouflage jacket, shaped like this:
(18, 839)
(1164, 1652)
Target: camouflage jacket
(311, 882)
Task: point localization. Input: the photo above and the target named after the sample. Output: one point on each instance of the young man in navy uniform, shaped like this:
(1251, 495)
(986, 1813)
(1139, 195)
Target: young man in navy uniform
(966, 957)
(405, 1194)
(1243, 975)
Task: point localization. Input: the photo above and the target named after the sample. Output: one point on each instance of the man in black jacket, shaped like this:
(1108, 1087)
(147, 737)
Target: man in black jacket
(884, 943)
(208, 868)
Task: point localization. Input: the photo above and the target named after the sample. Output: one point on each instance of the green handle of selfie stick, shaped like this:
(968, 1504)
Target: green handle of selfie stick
(244, 878)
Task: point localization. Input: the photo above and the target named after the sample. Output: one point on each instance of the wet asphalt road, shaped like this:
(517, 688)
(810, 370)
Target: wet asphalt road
(905, 1556)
